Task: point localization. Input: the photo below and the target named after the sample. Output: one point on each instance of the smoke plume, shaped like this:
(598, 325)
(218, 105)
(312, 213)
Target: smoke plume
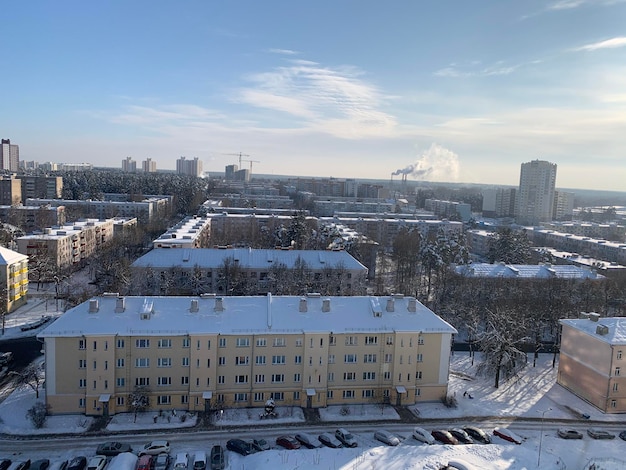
(435, 164)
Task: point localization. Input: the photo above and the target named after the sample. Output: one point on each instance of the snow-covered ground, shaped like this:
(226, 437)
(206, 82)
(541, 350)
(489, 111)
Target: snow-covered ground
(533, 394)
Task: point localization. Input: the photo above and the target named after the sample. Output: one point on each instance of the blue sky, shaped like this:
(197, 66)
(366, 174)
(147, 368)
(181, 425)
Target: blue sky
(457, 90)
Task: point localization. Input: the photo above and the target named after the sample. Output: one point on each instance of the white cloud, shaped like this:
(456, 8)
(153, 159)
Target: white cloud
(606, 44)
(283, 51)
(571, 4)
(471, 70)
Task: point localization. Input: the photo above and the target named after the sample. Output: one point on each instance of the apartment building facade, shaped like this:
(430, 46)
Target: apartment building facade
(200, 353)
(592, 362)
(13, 279)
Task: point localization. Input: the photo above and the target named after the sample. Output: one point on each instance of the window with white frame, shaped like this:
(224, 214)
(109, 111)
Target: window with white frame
(332, 340)
(348, 394)
(279, 342)
(164, 362)
(222, 343)
(349, 358)
(142, 381)
(331, 358)
(82, 344)
(164, 400)
(278, 378)
(297, 377)
(331, 376)
(120, 343)
(387, 375)
(261, 342)
(369, 358)
(184, 399)
(221, 379)
(142, 343)
(296, 396)
(82, 383)
(186, 342)
(259, 360)
(120, 382)
(81, 402)
(242, 360)
(371, 340)
(241, 379)
(142, 362)
(420, 357)
(299, 342)
(349, 376)
(259, 378)
(329, 394)
(369, 375)
(388, 358)
(221, 361)
(185, 362)
(119, 362)
(420, 340)
(369, 393)
(278, 360)
(277, 396)
(243, 342)
(163, 381)
(259, 396)
(184, 380)
(298, 359)
(119, 401)
(164, 343)
(351, 341)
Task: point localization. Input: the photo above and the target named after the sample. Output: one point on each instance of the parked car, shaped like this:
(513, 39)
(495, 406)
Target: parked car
(477, 434)
(386, 437)
(97, 463)
(113, 448)
(596, 433)
(260, 444)
(507, 435)
(287, 442)
(60, 465)
(622, 436)
(162, 462)
(423, 436)
(329, 440)
(461, 436)
(25, 465)
(569, 434)
(307, 440)
(41, 464)
(4, 464)
(77, 463)
(240, 446)
(146, 462)
(218, 459)
(346, 438)
(444, 436)
(155, 448)
(182, 461)
(457, 464)
(199, 460)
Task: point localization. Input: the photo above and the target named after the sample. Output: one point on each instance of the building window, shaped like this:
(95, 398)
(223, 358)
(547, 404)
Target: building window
(186, 342)
(120, 362)
(259, 360)
(184, 399)
(387, 375)
(259, 378)
(259, 396)
(243, 342)
(142, 362)
(120, 343)
(120, 382)
(615, 387)
(296, 396)
(369, 375)
(165, 343)
(221, 379)
(297, 377)
(388, 358)
(349, 358)
(329, 394)
(331, 358)
(279, 342)
(389, 340)
(332, 340)
(298, 360)
(351, 341)
(164, 362)
(349, 376)
(81, 402)
(331, 376)
(184, 380)
(277, 396)
(348, 393)
(418, 392)
(241, 379)
(185, 362)
(368, 393)
(222, 343)
(299, 342)
(221, 361)
(420, 357)
(371, 340)
(242, 360)
(617, 371)
(142, 381)
(163, 381)
(613, 403)
(164, 399)
(418, 375)
(82, 344)
(278, 360)
(119, 401)
(82, 383)
(261, 342)
(369, 358)
(208, 345)
(95, 365)
(420, 340)
(142, 343)
(278, 378)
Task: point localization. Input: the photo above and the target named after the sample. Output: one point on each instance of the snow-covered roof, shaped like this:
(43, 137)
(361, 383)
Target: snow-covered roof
(249, 258)
(538, 271)
(611, 330)
(158, 316)
(8, 257)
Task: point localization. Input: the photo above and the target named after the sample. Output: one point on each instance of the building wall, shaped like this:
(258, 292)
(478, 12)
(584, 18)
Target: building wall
(535, 199)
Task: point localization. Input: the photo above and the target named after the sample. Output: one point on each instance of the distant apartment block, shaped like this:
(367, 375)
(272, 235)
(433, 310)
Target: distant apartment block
(129, 165)
(233, 201)
(535, 197)
(498, 202)
(74, 166)
(563, 205)
(449, 209)
(211, 352)
(10, 191)
(31, 218)
(478, 241)
(327, 207)
(527, 271)
(592, 356)
(9, 155)
(189, 167)
(191, 232)
(587, 246)
(149, 166)
(69, 244)
(13, 279)
(46, 187)
(589, 229)
(204, 270)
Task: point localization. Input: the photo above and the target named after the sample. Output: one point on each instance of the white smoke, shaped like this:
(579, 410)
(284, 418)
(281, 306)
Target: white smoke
(435, 164)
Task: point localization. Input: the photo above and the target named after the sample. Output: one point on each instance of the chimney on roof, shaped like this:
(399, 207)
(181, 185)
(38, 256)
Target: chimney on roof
(93, 306)
(594, 316)
(120, 305)
(326, 305)
(194, 306)
(390, 305)
(219, 304)
(412, 307)
(303, 305)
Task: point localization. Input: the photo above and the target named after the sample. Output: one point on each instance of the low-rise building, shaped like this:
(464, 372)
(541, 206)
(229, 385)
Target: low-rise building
(198, 353)
(191, 232)
(593, 360)
(13, 279)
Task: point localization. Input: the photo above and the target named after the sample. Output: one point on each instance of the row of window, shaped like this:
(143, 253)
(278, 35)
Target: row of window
(165, 343)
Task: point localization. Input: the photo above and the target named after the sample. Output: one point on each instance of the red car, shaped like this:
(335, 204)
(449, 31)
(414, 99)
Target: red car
(287, 442)
(507, 435)
(444, 436)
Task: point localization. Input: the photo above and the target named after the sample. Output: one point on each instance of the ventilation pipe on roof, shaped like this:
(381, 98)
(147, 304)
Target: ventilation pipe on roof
(194, 306)
(303, 305)
(326, 305)
(390, 305)
(602, 330)
(412, 307)
(93, 306)
(219, 304)
(120, 305)
(594, 316)
(583, 316)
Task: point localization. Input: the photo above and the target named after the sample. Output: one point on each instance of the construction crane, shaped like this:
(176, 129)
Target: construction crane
(240, 159)
(249, 161)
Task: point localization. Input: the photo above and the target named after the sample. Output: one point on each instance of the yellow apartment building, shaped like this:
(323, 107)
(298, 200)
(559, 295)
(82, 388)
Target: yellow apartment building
(593, 354)
(13, 279)
(199, 353)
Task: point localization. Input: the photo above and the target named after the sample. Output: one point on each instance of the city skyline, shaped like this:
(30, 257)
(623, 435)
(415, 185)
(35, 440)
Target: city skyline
(447, 92)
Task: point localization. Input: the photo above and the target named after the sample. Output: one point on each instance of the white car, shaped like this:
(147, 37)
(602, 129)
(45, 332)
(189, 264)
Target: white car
(386, 437)
(155, 448)
(346, 438)
(97, 463)
(423, 436)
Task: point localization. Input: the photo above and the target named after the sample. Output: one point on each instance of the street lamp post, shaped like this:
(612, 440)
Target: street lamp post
(543, 413)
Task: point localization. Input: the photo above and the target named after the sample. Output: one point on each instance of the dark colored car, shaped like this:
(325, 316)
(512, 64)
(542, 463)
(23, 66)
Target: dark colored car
(287, 442)
(444, 436)
(77, 463)
(622, 436)
(461, 436)
(477, 434)
(307, 440)
(113, 448)
(162, 462)
(41, 464)
(596, 433)
(218, 460)
(23, 465)
(4, 464)
(329, 440)
(240, 446)
(566, 433)
(260, 444)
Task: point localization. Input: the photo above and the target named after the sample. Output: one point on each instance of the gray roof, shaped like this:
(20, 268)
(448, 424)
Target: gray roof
(8, 257)
(539, 271)
(612, 329)
(247, 257)
(244, 315)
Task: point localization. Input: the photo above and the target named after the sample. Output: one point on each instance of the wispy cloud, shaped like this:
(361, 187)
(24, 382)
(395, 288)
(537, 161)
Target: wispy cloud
(571, 4)
(283, 51)
(471, 70)
(612, 43)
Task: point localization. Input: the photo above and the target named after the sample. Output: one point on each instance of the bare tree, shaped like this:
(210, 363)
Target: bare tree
(32, 375)
(139, 399)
